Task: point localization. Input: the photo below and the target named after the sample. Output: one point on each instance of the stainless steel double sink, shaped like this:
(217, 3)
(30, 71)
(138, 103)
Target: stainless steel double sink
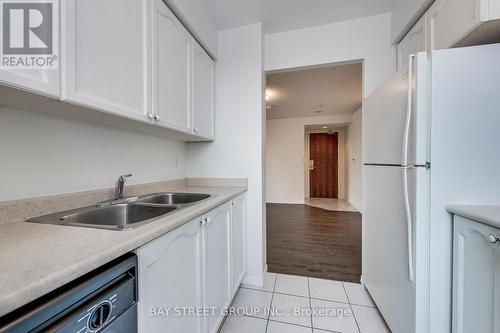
(124, 214)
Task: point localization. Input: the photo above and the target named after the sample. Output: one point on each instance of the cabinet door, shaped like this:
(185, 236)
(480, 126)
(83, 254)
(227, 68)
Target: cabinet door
(203, 93)
(217, 265)
(238, 241)
(44, 81)
(476, 277)
(170, 277)
(415, 41)
(41, 81)
(171, 69)
(451, 20)
(106, 56)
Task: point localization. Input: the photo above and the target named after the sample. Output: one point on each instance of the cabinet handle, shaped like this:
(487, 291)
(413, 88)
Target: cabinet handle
(157, 117)
(493, 239)
(207, 220)
(150, 116)
(195, 130)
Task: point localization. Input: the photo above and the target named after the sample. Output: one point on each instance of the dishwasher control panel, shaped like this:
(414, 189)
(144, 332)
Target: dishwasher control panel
(102, 310)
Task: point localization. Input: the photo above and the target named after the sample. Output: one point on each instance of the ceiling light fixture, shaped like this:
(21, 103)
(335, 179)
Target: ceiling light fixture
(269, 94)
(325, 127)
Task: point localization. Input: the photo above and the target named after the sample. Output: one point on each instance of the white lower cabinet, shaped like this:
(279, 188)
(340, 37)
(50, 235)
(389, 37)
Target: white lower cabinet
(171, 277)
(216, 258)
(476, 277)
(238, 242)
(185, 276)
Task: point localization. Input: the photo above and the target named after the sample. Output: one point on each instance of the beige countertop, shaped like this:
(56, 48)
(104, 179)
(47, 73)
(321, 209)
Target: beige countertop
(38, 258)
(485, 214)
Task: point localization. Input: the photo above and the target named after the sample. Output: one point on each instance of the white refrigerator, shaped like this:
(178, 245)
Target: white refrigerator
(431, 137)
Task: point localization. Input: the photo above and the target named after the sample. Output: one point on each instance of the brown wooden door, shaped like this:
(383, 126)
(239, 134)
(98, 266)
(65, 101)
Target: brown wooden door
(323, 167)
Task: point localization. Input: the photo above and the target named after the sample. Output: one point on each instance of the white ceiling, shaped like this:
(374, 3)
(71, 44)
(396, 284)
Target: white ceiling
(282, 15)
(334, 90)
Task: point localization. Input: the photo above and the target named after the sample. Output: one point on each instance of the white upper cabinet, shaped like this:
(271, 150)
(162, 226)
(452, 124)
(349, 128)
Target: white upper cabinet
(170, 270)
(414, 42)
(450, 21)
(105, 56)
(43, 81)
(129, 59)
(171, 75)
(476, 277)
(238, 242)
(216, 239)
(203, 93)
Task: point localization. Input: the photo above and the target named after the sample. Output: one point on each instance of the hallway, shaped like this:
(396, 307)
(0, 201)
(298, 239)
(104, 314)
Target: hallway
(310, 241)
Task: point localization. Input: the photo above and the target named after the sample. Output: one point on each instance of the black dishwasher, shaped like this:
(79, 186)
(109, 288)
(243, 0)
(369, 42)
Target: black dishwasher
(101, 301)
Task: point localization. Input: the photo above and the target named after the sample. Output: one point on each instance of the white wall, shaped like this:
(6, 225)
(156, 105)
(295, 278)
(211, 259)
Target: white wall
(238, 150)
(195, 16)
(285, 156)
(354, 160)
(43, 155)
(366, 38)
(405, 14)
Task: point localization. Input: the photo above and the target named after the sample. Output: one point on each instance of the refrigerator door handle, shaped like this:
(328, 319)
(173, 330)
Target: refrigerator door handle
(406, 134)
(409, 223)
(406, 140)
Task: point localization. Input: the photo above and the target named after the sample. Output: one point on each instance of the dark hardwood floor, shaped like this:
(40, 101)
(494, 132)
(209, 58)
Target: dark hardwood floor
(309, 241)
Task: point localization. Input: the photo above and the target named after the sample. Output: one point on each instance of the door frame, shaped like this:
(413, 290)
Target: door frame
(342, 171)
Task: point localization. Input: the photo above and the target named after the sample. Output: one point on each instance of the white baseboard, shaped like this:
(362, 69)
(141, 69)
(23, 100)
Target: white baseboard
(254, 280)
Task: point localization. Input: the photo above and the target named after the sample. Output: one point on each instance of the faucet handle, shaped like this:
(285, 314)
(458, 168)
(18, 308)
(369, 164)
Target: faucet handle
(122, 177)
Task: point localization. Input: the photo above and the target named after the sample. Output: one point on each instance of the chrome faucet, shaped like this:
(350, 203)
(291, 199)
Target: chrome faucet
(120, 186)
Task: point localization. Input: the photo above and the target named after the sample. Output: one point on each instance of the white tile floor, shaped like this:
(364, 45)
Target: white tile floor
(330, 204)
(304, 305)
